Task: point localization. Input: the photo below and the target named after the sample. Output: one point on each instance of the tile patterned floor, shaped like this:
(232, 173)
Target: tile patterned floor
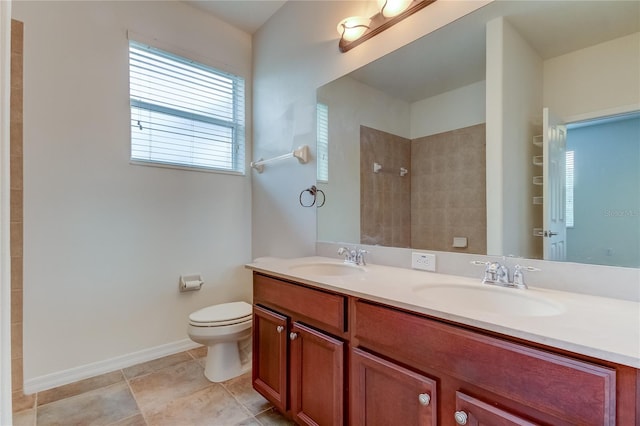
(169, 391)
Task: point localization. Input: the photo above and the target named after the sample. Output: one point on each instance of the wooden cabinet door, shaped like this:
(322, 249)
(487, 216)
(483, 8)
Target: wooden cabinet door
(269, 370)
(473, 412)
(384, 394)
(317, 377)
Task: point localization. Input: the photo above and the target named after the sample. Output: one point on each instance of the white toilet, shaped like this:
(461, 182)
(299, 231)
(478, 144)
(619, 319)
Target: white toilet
(226, 331)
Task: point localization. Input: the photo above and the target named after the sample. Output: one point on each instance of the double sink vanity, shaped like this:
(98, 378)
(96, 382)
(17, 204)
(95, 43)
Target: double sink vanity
(337, 343)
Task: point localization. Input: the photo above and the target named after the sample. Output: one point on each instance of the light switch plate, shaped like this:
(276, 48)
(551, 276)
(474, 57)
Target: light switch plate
(424, 261)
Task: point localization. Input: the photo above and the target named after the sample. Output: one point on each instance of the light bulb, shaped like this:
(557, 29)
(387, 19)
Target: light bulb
(353, 28)
(391, 8)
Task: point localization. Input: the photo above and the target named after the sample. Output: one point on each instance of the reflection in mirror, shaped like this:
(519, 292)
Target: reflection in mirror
(441, 145)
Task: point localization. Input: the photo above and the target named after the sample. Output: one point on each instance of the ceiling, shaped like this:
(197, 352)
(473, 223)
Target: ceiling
(247, 15)
(454, 56)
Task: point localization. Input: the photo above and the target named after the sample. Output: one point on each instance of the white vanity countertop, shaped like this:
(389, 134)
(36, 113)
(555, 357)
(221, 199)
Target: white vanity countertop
(599, 327)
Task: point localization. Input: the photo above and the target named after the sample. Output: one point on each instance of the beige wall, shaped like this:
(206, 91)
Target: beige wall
(598, 80)
(105, 241)
(514, 116)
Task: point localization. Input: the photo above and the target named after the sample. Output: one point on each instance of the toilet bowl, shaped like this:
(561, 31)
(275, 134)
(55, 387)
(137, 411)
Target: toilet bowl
(226, 331)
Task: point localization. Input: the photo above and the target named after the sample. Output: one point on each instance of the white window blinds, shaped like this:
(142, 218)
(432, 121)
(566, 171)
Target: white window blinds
(184, 113)
(322, 143)
(569, 196)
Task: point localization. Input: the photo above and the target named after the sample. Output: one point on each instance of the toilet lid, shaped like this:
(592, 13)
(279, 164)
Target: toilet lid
(228, 313)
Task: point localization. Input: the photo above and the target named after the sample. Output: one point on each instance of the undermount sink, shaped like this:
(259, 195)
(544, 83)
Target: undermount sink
(327, 268)
(505, 301)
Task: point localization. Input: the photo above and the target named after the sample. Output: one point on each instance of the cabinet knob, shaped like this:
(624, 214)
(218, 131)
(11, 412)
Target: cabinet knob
(279, 329)
(461, 417)
(293, 336)
(424, 399)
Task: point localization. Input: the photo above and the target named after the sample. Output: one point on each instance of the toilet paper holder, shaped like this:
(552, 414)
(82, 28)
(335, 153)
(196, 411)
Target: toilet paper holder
(190, 282)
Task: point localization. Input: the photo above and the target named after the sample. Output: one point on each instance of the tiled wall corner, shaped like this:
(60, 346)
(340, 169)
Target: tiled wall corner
(448, 190)
(442, 196)
(385, 200)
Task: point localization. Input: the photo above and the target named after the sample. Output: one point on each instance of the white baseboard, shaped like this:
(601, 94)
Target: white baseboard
(49, 381)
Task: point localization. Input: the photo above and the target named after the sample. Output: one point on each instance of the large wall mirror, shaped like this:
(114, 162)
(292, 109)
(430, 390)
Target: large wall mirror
(512, 131)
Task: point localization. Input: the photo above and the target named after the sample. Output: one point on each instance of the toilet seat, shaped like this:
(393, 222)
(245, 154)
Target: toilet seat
(221, 315)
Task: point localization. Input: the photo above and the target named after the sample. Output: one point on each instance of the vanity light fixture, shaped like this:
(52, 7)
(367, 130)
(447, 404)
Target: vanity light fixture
(391, 8)
(355, 30)
(353, 27)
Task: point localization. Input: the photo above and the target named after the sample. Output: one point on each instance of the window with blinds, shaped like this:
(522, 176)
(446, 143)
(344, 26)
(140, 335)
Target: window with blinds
(569, 196)
(322, 143)
(184, 114)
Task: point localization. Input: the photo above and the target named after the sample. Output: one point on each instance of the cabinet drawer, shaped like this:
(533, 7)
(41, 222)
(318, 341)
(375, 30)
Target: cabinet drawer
(319, 308)
(476, 412)
(575, 391)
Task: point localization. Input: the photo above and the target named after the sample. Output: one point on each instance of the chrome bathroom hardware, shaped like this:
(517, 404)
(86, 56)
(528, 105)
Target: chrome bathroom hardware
(498, 274)
(314, 193)
(353, 256)
(518, 275)
(424, 399)
(301, 153)
(460, 417)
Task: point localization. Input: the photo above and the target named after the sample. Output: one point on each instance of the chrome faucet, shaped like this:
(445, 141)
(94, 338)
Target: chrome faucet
(498, 274)
(354, 255)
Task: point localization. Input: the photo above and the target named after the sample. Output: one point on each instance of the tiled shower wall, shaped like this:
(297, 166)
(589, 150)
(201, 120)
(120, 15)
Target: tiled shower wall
(442, 197)
(385, 197)
(20, 401)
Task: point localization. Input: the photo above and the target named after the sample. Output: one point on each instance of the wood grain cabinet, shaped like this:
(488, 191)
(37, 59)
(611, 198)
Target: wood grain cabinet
(270, 361)
(492, 380)
(473, 412)
(325, 358)
(317, 377)
(384, 393)
(297, 365)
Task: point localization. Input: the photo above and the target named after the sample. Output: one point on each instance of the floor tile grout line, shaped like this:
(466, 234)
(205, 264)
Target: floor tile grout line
(34, 419)
(133, 395)
(245, 409)
(96, 390)
(251, 415)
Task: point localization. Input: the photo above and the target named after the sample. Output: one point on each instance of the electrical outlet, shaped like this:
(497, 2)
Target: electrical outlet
(424, 261)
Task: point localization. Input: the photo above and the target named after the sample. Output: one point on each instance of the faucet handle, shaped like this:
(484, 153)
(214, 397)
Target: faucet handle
(343, 251)
(528, 268)
(489, 275)
(518, 275)
(360, 256)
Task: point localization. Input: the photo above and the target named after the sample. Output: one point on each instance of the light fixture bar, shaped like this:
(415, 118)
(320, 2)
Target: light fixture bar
(379, 23)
